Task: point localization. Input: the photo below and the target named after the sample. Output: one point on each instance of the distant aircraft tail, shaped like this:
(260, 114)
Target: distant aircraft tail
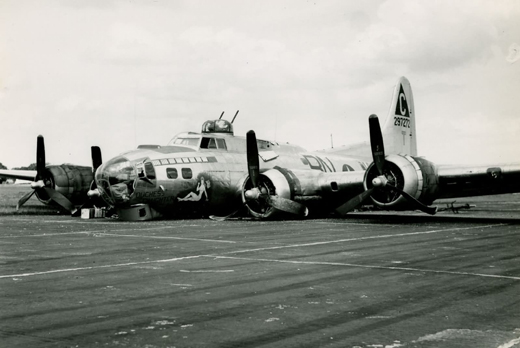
(399, 130)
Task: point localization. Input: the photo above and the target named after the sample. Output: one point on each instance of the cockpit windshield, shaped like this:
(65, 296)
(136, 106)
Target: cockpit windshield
(186, 139)
(115, 180)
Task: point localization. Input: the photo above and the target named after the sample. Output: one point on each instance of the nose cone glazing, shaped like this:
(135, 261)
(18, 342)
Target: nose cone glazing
(115, 180)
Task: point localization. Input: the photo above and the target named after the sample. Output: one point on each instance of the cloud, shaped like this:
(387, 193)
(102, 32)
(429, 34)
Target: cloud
(427, 36)
(133, 44)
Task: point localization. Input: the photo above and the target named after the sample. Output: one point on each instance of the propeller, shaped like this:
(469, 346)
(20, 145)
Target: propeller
(96, 158)
(41, 183)
(259, 193)
(381, 181)
(376, 143)
(253, 163)
(96, 162)
(93, 194)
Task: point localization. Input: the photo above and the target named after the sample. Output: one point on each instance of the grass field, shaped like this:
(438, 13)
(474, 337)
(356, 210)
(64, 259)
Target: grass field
(9, 196)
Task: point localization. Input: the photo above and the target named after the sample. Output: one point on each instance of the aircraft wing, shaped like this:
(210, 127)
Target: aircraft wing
(18, 174)
(465, 181)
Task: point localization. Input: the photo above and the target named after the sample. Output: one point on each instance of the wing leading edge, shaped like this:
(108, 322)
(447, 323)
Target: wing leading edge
(18, 174)
(466, 181)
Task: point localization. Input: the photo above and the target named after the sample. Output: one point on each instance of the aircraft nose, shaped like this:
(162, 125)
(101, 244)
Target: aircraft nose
(115, 180)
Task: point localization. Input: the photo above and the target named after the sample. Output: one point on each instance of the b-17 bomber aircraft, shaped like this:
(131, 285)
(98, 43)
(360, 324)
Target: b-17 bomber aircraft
(215, 173)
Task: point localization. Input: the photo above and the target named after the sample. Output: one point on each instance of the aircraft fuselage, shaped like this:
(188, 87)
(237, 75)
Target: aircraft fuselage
(181, 178)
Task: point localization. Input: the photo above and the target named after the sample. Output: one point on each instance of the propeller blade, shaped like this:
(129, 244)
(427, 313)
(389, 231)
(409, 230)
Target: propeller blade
(353, 203)
(376, 143)
(24, 199)
(253, 163)
(288, 206)
(424, 208)
(253, 169)
(60, 199)
(223, 218)
(40, 157)
(96, 162)
(96, 158)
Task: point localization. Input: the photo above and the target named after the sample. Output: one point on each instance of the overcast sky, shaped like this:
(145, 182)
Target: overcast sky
(121, 73)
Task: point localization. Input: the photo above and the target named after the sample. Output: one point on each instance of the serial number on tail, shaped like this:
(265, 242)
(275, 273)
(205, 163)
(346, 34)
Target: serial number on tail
(402, 122)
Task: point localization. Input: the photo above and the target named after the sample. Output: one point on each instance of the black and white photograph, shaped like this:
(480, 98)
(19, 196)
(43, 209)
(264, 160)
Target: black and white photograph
(196, 173)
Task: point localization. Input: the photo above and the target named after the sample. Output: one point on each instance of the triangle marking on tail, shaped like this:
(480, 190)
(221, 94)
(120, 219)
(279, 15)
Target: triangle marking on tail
(401, 107)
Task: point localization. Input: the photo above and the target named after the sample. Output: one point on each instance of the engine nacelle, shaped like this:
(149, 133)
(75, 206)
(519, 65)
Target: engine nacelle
(70, 180)
(319, 191)
(270, 182)
(414, 175)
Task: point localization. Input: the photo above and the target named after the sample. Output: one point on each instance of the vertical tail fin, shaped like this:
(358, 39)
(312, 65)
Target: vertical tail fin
(399, 130)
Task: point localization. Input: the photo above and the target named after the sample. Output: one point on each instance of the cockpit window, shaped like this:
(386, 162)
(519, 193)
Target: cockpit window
(149, 170)
(186, 141)
(208, 143)
(221, 144)
(212, 143)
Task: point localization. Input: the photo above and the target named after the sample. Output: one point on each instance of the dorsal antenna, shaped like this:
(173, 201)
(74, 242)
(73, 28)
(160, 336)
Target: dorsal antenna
(222, 114)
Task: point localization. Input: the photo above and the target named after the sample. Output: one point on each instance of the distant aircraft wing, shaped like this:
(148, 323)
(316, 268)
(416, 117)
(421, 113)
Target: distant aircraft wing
(18, 174)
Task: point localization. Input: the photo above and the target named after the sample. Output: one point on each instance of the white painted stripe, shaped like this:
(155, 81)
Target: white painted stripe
(33, 220)
(360, 238)
(48, 234)
(208, 271)
(97, 267)
(408, 269)
(103, 231)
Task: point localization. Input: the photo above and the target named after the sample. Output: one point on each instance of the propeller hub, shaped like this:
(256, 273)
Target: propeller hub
(37, 184)
(93, 193)
(253, 193)
(380, 181)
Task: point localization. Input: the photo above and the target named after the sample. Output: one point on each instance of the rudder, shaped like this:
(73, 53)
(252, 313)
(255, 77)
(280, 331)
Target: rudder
(399, 130)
